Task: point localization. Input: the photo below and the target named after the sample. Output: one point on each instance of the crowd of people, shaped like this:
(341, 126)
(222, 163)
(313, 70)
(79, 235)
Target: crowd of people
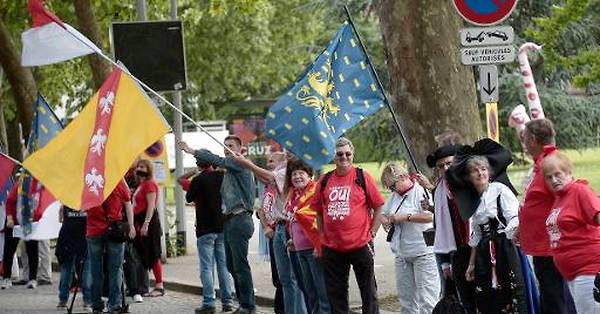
(466, 235)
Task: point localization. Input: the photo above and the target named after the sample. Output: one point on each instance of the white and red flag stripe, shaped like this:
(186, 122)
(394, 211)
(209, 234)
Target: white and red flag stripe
(50, 40)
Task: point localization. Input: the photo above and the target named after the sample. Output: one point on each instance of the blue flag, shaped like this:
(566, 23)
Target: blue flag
(338, 90)
(45, 126)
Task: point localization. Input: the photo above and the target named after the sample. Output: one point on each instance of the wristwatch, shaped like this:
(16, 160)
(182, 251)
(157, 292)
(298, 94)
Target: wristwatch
(408, 217)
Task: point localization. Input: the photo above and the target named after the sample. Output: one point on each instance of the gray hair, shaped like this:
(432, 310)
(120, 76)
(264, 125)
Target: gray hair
(474, 161)
(342, 141)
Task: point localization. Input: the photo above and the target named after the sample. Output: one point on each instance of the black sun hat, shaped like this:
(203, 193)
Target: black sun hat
(442, 152)
(467, 198)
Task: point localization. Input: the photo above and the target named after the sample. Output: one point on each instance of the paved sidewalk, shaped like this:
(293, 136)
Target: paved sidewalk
(181, 273)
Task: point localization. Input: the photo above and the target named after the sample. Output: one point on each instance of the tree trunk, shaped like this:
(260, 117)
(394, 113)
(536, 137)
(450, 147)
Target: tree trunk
(21, 80)
(15, 146)
(430, 89)
(3, 138)
(89, 27)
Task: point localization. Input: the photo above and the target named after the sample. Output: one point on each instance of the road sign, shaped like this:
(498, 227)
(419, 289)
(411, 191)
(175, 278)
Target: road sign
(488, 82)
(487, 36)
(487, 55)
(484, 12)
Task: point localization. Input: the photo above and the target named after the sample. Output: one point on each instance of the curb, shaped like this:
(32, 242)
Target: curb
(197, 290)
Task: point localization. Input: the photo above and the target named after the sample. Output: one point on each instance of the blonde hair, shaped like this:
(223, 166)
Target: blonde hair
(149, 166)
(560, 160)
(392, 172)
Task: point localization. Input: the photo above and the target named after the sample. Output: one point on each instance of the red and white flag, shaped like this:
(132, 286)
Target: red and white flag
(50, 40)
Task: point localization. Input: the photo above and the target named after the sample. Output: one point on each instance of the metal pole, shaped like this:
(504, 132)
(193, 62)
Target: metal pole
(387, 102)
(179, 205)
(141, 10)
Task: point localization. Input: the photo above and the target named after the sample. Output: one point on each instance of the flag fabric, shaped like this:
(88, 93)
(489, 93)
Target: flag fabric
(33, 198)
(491, 113)
(50, 40)
(7, 166)
(337, 91)
(84, 163)
(307, 217)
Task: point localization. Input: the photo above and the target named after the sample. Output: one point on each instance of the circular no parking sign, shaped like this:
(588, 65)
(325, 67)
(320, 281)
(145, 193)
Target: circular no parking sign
(485, 12)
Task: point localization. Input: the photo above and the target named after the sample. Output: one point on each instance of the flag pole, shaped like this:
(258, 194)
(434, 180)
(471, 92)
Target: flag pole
(12, 159)
(387, 102)
(99, 52)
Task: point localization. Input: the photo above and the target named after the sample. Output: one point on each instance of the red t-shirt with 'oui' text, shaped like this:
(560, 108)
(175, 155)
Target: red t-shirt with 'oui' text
(347, 219)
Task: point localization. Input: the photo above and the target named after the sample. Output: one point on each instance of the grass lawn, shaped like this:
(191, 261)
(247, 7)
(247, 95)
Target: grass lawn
(586, 166)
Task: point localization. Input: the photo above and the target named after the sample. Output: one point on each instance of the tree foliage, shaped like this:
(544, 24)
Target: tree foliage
(571, 38)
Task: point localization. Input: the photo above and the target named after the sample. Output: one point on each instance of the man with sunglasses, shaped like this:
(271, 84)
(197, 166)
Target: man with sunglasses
(348, 216)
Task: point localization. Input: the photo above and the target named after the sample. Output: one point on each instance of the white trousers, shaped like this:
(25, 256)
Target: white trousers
(582, 290)
(418, 284)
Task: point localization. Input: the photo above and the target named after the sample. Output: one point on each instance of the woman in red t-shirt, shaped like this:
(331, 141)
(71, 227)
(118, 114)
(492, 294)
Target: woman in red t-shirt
(147, 223)
(573, 228)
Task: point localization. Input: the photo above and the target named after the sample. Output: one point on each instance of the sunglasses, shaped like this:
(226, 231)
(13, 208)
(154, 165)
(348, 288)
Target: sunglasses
(341, 154)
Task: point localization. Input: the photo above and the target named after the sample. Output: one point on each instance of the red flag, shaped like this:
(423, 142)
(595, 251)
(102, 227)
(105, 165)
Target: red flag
(307, 217)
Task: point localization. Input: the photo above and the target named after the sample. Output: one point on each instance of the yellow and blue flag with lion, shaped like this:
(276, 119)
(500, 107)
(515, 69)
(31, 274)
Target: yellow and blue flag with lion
(337, 91)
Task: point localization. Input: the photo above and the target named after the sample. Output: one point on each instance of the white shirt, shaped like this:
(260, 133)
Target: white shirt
(408, 240)
(488, 209)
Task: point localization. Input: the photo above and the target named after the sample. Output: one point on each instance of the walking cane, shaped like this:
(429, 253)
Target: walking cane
(78, 281)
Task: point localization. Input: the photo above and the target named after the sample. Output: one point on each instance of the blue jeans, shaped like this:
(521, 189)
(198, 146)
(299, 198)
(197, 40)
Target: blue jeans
(237, 232)
(211, 249)
(292, 295)
(98, 246)
(67, 267)
(314, 282)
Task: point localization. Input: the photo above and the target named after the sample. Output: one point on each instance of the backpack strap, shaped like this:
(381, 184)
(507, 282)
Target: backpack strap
(326, 177)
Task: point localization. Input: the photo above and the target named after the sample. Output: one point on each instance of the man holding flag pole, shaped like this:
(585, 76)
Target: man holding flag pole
(340, 89)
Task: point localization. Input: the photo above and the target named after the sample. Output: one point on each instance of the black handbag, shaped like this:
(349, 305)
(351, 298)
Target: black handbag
(429, 236)
(450, 303)
(117, 231)
(392, 229)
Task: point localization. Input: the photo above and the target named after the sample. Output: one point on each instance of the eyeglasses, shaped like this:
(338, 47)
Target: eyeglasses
(392, 187)
(444, 165)
(341, 154)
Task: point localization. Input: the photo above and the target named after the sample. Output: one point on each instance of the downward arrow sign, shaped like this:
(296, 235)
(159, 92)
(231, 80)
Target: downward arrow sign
(489, 90)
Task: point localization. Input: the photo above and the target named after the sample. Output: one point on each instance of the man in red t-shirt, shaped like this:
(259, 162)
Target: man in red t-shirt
(554, 296)
(98, 244)
(348, 218)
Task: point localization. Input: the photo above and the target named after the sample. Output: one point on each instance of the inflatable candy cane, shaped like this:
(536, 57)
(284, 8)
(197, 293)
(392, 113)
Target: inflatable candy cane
(533, 98)
(517, 119)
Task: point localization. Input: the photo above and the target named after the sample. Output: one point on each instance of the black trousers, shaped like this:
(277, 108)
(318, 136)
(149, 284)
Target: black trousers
(466, 289)
(136, 275)
(279, 305)
(336, 267)
(554, 293)
(10, 247)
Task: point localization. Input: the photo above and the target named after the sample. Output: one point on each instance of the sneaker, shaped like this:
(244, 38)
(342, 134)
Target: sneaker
(5, 283)
(137, 298)
(205, 310)
(21, 282)
(244, 311)
(61, 304)
(227, 308)
(32, 284)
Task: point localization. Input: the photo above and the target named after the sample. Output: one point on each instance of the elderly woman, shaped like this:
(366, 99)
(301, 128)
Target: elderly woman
(494, 264)
(573, 227)
(302, 187)
(417, 278)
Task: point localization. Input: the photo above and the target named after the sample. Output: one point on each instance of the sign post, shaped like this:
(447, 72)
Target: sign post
(486, 47)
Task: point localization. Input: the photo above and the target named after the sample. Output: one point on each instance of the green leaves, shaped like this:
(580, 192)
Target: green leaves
(571, 39)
